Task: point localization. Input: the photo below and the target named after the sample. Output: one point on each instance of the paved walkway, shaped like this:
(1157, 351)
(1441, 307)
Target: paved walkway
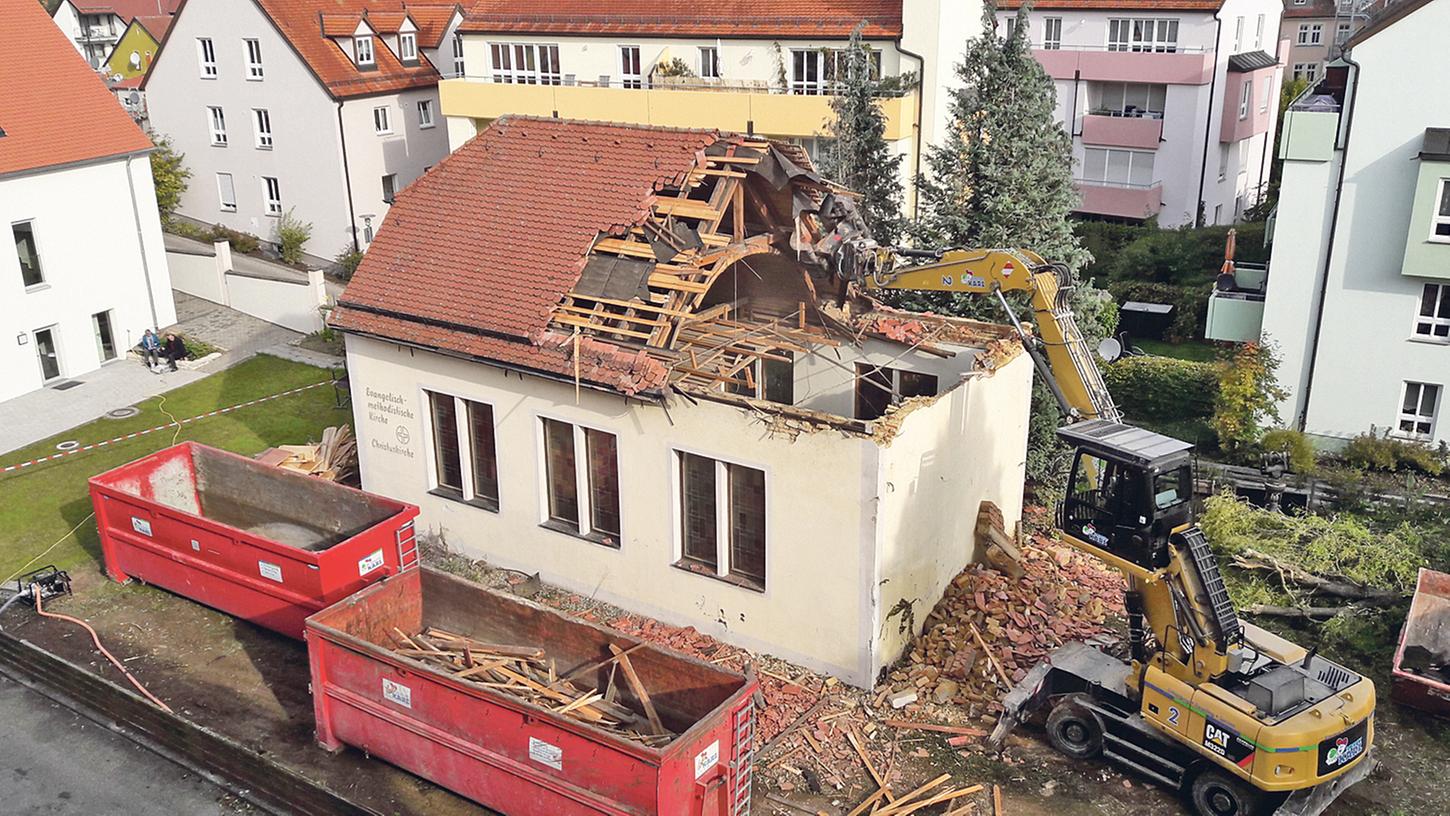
(39, 414)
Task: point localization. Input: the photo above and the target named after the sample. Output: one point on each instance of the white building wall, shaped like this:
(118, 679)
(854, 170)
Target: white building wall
(1366, 353)
(405, 152)
(844, 514)
(95, 256)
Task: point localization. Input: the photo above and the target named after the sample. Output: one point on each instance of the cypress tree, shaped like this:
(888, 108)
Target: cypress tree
(860, 159)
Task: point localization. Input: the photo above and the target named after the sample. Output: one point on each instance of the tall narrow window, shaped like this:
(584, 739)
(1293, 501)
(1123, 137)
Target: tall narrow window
(777, 379)
(1259, 33)
(747, 523)
(254, 59)
(105, 337)
(879, 387)
(226, 192)
(1245, 98)
(1433, 320)
(390, 187)
(363, 47)
(1052, 33)
(603, 482)
(697, 516)
(425, 114)
(206, 57)
(447, 459)
(1417, 410)
(1239, 34)
(262, 121)
(525, 63)
(484, 456)
(218, 122)
(709, 62)
(629, 71)
(1009, 27)
(1440, 229)
(382, 122)
(457, 55)
(28, 252)
(272, 195)
(806, 71)
(559, 468)
(408, 47)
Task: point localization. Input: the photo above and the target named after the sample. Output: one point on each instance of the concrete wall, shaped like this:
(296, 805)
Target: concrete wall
(198, 273)
(95, 257)
(1366, 348)
(826, 509)
(287, 298)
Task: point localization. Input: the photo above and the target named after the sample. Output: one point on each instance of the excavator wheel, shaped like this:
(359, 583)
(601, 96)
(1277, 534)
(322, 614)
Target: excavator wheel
(1074, 730)
(1215, 793)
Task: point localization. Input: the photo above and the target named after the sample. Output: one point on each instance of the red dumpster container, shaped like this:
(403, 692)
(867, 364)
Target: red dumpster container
(257, 542)
(506, 753)
(1420, 674)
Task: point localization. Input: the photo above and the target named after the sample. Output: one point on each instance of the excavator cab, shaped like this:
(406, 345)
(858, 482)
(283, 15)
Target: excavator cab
(1128, 491)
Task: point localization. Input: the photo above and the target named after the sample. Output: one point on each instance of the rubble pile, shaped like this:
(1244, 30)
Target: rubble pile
(988, 629)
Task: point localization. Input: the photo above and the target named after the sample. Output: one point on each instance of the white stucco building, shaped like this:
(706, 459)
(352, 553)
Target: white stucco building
(761, 68)
(678, 415)
(82, 268)
(328, 109)
(1171, 103)
(1358, 294)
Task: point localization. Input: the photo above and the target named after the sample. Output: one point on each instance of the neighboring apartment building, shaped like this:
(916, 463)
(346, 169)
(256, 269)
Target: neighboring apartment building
(82, 267)
(1317, 31)
(762, 68)
(328, 108)
(613, 355)
(1359, 281)
(96, 26)
(131, 58)
(1171, 103)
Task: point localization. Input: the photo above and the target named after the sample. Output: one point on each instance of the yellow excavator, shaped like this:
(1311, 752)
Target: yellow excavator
(1237, 719)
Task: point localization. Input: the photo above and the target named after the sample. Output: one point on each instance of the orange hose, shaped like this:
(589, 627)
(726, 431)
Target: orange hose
(97, 638)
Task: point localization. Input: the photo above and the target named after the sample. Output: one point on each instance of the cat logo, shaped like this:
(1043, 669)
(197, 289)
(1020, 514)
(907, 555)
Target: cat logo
(1227, 744)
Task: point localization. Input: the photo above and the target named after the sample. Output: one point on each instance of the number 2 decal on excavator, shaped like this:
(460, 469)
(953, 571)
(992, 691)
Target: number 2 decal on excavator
(1173, 715)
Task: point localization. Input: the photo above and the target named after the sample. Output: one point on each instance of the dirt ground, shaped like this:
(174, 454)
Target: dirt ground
(252, 685)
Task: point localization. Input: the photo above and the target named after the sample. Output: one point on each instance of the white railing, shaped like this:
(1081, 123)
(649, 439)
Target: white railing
(658, 83)
(1122, 49)
(1126, 185)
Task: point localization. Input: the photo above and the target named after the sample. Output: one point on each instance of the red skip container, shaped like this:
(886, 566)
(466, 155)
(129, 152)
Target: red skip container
(508, 754)
(1424, 642)
(258, 542)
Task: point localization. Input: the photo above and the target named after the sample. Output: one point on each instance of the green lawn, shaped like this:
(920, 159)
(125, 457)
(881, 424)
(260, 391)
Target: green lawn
(1184, 351)
(40, 504)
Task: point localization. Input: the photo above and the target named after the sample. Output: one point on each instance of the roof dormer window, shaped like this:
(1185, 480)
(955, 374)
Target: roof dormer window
(363, 47)
(408, 46)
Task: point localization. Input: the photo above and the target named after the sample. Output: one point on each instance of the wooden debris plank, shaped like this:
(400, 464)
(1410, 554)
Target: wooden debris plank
(869, 801)
(573, 320)
(687, 208)
(607, 315)
(639, 689)
(733, 159)
(996, 801)
(622, 247)
(866, 760)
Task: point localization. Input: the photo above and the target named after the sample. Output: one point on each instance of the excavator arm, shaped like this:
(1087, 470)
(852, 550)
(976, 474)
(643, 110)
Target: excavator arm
(1068, 365)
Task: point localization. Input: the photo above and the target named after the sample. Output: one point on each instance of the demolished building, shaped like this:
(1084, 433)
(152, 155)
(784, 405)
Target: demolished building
(619, 357)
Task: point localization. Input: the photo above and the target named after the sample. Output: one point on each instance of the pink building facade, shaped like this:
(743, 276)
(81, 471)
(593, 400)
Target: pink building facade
(1172, 104)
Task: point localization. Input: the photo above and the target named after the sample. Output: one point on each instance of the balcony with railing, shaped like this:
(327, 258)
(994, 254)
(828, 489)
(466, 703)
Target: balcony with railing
(1236, 306)
(743, 106)
(1119, 128)
(1166, 64)
(1120, 199)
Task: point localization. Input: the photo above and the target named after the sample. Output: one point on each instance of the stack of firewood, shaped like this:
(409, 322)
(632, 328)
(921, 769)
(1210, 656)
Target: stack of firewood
(529, 674)
(333, 459)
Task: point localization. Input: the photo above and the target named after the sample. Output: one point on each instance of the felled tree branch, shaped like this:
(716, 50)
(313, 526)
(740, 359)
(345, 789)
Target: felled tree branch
(1298, 612)
(1337, 586)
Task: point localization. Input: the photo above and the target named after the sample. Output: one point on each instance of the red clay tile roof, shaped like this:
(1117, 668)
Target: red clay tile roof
(55, 110)
(1114, 5)
(298, 21)
(156, 26)
(128, 9)
(723, 18)
(432, 23)
(474, 256)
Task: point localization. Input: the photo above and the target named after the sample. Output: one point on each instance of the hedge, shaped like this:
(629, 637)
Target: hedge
(1162, 388)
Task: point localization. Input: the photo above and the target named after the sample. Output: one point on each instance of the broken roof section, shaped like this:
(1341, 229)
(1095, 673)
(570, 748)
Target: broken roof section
(636, 259)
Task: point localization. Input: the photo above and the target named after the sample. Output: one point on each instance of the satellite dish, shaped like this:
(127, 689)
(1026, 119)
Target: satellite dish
(135, 60)
(134, 98)
(1110, 349)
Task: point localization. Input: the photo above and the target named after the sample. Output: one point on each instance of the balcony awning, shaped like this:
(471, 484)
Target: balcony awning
(1250, 61)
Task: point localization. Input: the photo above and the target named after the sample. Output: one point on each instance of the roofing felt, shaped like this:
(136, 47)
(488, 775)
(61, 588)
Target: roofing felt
(724, 18)
(1250, 61)
(55, 109)
(491, 238)
(299, 22)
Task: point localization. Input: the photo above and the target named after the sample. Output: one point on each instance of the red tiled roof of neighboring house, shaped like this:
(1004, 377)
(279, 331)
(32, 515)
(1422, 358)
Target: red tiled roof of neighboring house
(55, 110)
(386, 22)
(127, 10)
(724, 18)
(432, 23)
(156, 26)
(1311, 8)
(1113, 5)
(310, 25)
(474, 257)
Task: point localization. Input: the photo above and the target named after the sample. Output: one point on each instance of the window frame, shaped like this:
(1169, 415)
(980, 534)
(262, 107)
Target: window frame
(390, 180)
(1432, 314)
(584, 486)
(1437, 220)
(262, 138)
(627, 79)
(539, 63)
(253, 48)
(1143, 34)
(724, 535)
(271, 196)
(469, 491)
(382, 121)
(709, 61)
(206, 58)
(358, 41)
(40, 282)
(459, 63)
(1413, 415)
(1246, 98)
(221, 193)
(1134, 156)
(425, 115)
(217, 123)
(1310, 34)
(1259, 32)
(890, 378)
(407, 55)
(1052, 39)
(105, 334)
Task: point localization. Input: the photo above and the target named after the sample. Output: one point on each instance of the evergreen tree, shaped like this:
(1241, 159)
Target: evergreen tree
(1002, 177)
(860, 159)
